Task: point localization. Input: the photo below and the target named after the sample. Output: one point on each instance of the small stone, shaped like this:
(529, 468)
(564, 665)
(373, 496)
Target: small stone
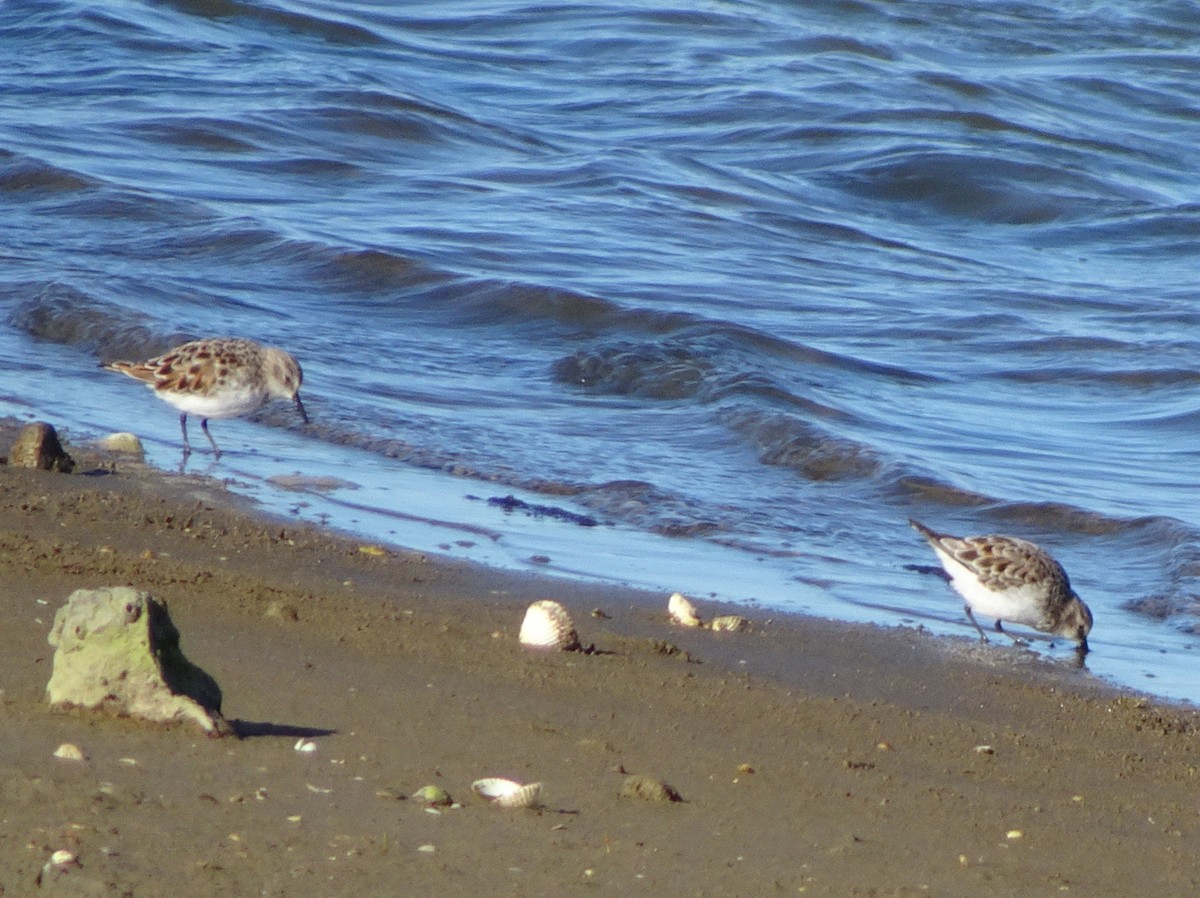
(124, 443)
(37, 446)
(648, 788)
(283, 611)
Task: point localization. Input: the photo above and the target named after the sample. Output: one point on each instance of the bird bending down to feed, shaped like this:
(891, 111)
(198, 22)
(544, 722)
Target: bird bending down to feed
(218, 378)
(1012, 580)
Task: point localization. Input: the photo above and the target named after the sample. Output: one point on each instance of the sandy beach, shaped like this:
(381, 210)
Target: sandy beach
(811, 757)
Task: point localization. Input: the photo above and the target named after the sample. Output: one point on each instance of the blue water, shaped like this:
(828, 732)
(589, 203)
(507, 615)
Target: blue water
(749, 284)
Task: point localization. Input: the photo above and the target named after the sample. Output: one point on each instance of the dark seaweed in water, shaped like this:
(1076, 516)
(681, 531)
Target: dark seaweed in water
(512, 503)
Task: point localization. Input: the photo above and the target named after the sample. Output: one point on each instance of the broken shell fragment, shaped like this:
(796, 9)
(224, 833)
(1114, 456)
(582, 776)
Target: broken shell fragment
(547, 625)
(63, 858)
(682, 611)
(69, 751)
(731, 623)
(305, 746)
(507, 793)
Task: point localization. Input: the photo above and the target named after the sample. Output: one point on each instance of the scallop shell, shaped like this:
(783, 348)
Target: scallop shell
(507, 793)
(683, 611)
(731, 623)
(547, 625)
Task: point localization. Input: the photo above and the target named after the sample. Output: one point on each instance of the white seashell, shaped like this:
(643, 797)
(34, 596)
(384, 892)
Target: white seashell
(730, 623)
(507, 793)
(69, 751)
(547, 625)
(63, 858)
(682, 611)
(306, 746)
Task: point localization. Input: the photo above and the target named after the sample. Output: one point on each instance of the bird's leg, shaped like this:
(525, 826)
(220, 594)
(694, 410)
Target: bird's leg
(1017, 640)
(187, 448)
(1081, 651)
(975, 623)
(204, 427)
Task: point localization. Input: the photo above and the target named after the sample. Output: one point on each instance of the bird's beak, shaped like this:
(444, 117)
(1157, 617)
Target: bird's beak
(300, 408)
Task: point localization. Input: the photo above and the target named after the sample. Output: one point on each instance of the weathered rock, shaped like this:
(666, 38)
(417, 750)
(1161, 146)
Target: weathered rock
(37, 446)
(117, 650)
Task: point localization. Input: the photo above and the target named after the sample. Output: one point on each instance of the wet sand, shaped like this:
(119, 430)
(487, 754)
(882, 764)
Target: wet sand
(812, 757)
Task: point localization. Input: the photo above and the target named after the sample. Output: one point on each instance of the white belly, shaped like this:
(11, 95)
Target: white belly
(1021, 605)
(226, 404)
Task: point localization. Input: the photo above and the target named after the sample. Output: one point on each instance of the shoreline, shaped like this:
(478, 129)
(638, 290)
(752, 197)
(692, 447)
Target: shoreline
(813, 757)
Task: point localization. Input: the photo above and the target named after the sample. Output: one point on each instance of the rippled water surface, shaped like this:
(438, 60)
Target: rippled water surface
(744, 285)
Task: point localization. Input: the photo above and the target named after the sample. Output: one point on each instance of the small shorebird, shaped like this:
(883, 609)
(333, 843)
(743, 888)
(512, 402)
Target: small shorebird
(218, 378)
(1013, 580)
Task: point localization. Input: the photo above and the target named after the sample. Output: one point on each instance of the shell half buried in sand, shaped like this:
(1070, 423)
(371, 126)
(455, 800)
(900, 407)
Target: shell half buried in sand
(507, 793)
(547, 625)
(682, 611)
(730, 623)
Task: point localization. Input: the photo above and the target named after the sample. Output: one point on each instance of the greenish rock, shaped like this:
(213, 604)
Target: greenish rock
(433, 795)
(116, 650)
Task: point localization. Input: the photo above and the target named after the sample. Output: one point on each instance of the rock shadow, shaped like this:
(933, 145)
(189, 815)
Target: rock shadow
(252, 729)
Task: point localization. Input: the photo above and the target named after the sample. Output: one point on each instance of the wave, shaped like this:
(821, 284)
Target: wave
(978, 186)
(23, 176)
(290, 22)
(61, 313)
